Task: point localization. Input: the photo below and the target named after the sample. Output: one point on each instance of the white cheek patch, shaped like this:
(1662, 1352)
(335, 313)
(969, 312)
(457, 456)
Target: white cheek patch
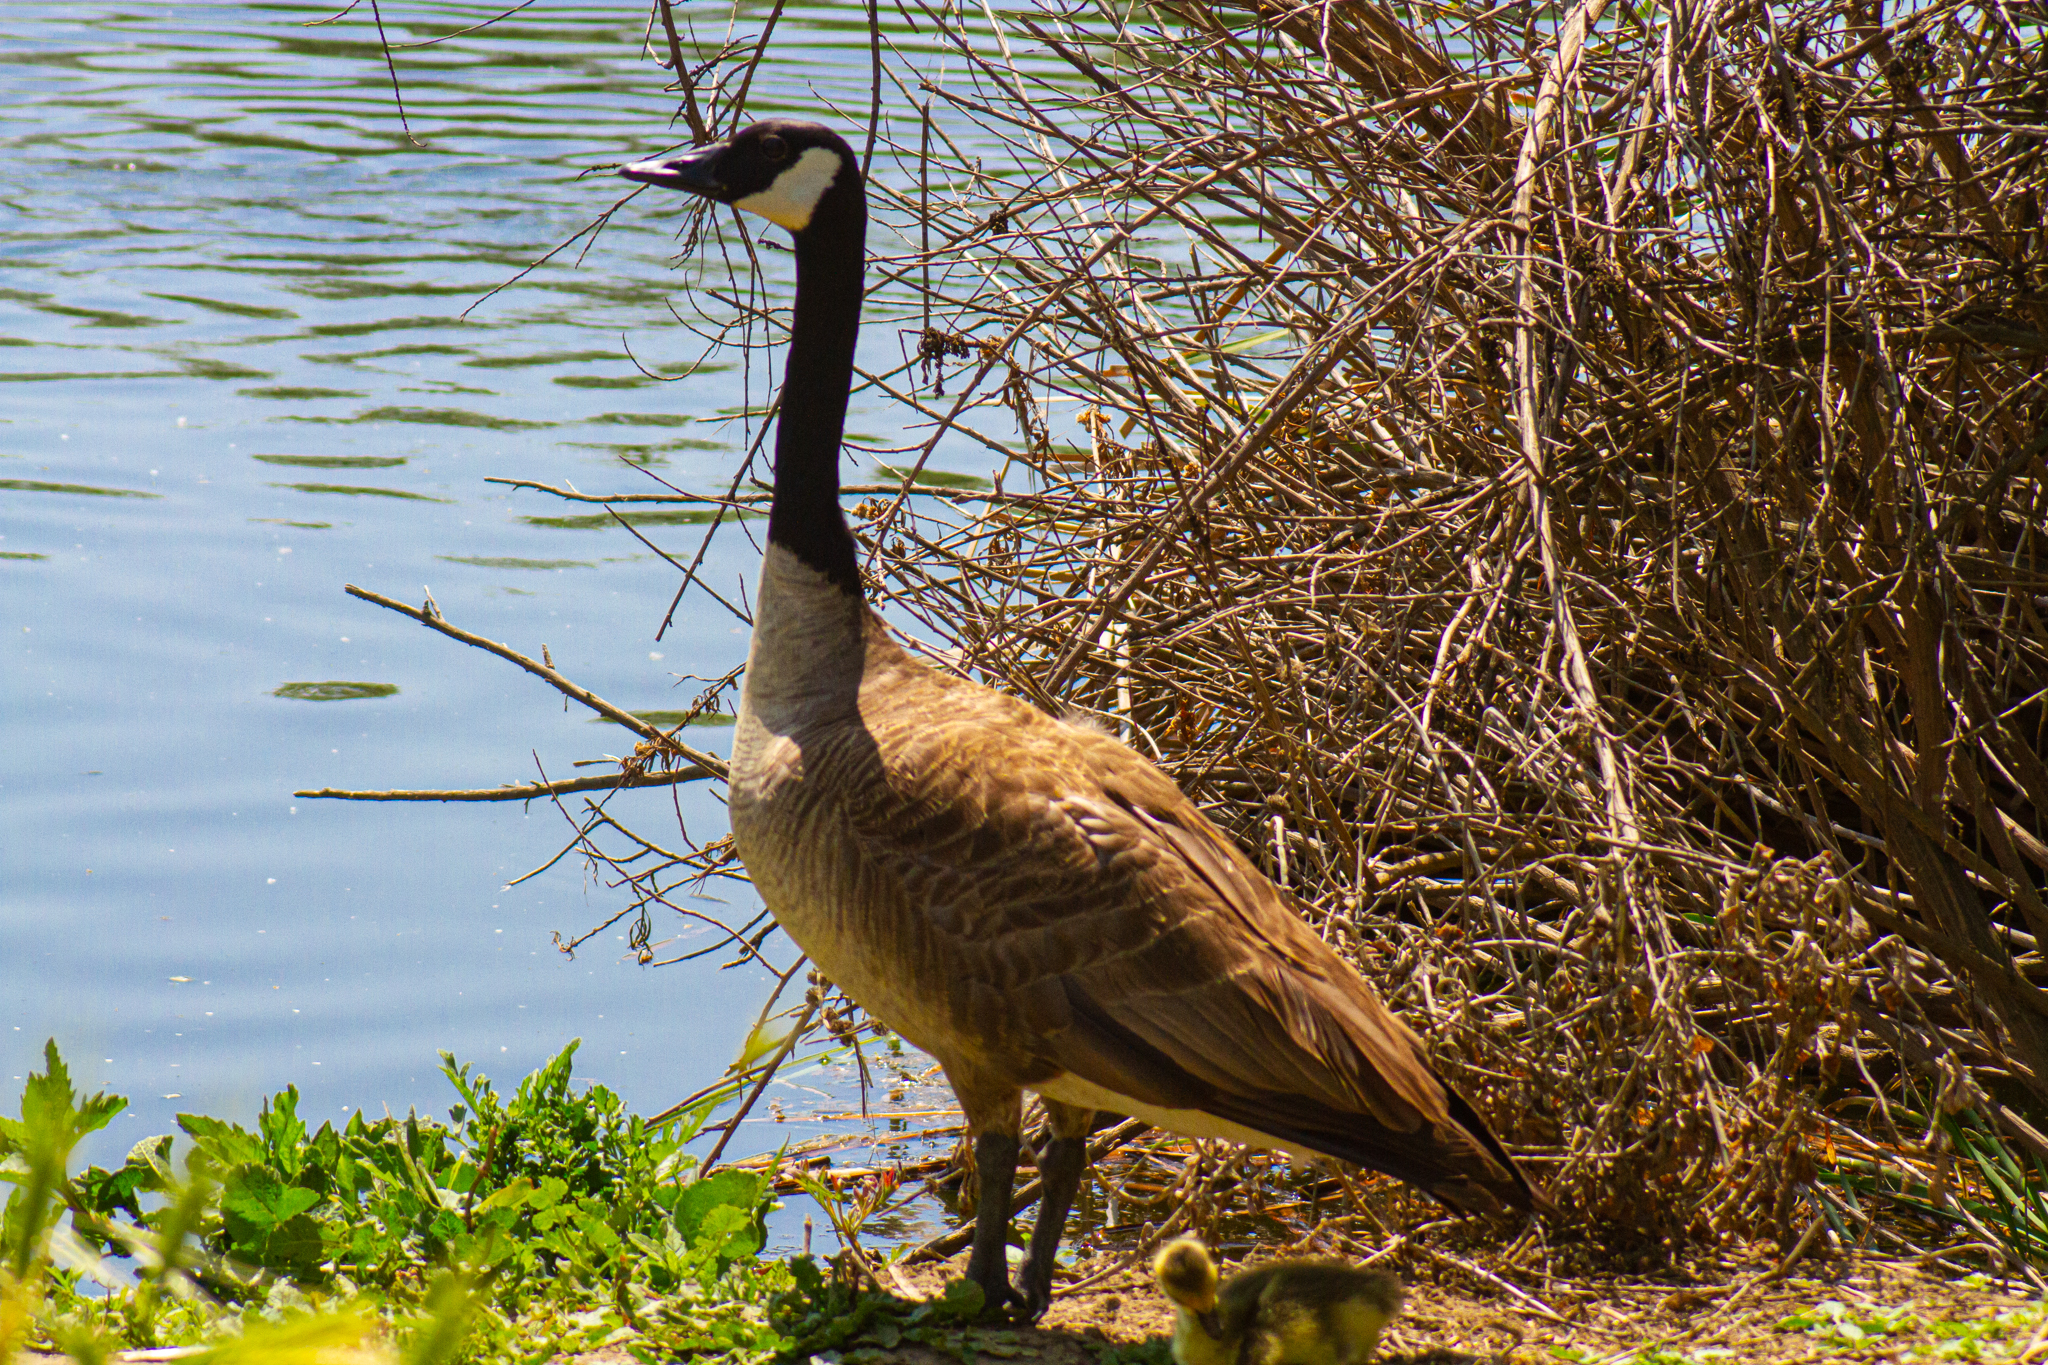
(791, 199)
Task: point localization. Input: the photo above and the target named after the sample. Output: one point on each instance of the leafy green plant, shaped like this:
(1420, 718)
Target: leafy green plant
(548, 1185)
(821, 1313)
(2004, 1194)
(527, 1226)
(2017, 1210)
(36, 1149)
(544, 1220)
(1834, 1321)
(1151, 1351)
(848, 1206)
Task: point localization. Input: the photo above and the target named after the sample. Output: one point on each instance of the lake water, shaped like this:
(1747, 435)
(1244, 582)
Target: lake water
(238, 373)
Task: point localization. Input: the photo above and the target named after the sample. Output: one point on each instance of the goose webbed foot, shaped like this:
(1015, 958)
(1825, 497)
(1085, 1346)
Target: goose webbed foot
(1000, 1300)
(1030, 1296)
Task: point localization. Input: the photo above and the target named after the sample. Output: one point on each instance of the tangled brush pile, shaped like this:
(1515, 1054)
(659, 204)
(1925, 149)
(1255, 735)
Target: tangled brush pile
(1570, 487)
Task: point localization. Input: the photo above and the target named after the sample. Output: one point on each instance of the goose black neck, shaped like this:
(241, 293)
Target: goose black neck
(804, 517)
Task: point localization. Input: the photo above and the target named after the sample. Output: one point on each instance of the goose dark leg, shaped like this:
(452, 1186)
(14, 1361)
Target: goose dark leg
(995, 1169)
(1059, 1167)
(1059, 1174)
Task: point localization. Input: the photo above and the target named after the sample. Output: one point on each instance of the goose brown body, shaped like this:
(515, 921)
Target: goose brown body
(1041, 908)
(1029, 901)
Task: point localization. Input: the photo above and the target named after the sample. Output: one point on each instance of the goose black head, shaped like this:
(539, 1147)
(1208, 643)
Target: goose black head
(785, 170)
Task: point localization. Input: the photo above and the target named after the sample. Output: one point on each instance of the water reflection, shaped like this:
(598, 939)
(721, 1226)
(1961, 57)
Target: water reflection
(223, 261)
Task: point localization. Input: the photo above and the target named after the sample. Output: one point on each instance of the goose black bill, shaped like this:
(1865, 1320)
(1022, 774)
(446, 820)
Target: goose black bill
(693, 170)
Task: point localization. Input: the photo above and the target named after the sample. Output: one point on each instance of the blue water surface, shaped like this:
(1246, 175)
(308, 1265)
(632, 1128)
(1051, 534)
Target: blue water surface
(249, 354)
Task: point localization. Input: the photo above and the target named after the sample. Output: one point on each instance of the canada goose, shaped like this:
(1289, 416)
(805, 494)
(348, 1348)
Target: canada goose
(1027, 900)
(1279, 1313)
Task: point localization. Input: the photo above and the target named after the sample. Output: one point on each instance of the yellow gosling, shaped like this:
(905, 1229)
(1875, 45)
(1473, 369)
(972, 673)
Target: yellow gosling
(1279, 1313)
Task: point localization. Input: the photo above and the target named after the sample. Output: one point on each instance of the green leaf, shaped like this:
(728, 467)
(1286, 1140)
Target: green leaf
(810, 1281)
(743, 1190)
(518, 1194)
(295, 1245)
(726, 1233)
(598, 1231)
(153, 1154)
(99, 1191)
(38, 1147)
(51, 1110)
(760, 1042)
(1250, 343)
(222, 1143)
(256, 1195)
(964, 1299)
(147, 1171)
(324, 1151)
(283, 1131)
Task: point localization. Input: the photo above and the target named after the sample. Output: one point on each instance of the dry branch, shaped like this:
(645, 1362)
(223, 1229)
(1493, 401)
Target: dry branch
(526, 792)
(1564, 486)
(1683, 713)
(661, 741)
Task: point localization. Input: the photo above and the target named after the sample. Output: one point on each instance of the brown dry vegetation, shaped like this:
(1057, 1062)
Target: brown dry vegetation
(1567, 486)
(1616, 1318)
(1611, 596)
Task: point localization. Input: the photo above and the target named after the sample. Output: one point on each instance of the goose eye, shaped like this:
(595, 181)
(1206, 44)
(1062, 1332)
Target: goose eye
(774, 148)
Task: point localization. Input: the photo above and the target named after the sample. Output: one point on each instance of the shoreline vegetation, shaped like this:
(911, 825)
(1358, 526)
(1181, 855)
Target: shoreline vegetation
(1565, 485)
(549, 1224)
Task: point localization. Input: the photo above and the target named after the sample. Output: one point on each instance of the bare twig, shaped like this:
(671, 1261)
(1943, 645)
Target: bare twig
(664, 741)
(521, 793)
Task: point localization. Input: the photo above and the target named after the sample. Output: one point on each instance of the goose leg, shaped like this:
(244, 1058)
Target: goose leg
(1059, 1168)
(1059, 1174)
(995, 1169)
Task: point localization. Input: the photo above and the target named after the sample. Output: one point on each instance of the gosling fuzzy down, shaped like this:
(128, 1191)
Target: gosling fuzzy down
(1279, 1313)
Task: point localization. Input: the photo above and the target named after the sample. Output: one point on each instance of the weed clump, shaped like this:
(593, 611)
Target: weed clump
(542, 1221)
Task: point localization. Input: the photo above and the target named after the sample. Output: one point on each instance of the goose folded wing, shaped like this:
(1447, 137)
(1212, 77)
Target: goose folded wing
(1152, 960)
(1286, 1040)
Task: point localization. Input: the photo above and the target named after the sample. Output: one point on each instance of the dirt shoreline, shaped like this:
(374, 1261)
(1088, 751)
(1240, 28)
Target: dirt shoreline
(1884, 1310)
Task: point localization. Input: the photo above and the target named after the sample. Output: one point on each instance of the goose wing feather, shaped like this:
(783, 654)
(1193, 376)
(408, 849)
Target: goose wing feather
(1095, 920)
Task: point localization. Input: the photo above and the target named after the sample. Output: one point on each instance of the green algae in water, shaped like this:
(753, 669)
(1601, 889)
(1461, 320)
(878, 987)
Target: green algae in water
(86, 489)
(514, 562)
(693, 517)
(334, 461)
(289, 393)
(605, 381)
(334, 691)
(512, 362)
(641, 419)
(931, 478)
(202, 368)
(233, 310)
(434, 417)
(355, 491)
